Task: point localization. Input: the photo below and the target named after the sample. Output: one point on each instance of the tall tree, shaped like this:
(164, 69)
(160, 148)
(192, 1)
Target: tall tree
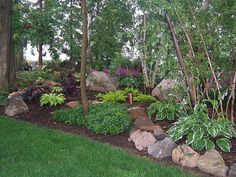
(83, 62)
(5, 44)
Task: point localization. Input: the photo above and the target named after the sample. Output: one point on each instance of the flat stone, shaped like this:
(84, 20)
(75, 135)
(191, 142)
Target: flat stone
(185, 156)
(143, 122)
(232, 171)
(213, 163)
(149, 128)
(137, 112)
(142, 139)
(72, 104)
(162, 149)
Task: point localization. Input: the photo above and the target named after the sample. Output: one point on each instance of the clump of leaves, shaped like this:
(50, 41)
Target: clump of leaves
(52, 99)
(144, 98)
(113, 96)
(70, 116)
(56, 89)
(130, 81)
(108, 118)
(166, 110)
(201, 132)
(3, 96)
(132, 90)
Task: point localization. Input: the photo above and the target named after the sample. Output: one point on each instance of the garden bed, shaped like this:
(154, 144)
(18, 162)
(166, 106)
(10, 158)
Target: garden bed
(43, 116)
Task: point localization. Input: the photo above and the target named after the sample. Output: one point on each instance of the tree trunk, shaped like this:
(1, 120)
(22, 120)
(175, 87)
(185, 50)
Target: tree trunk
(84, 57)
(40, 46)
(181, 61)
(5, 38)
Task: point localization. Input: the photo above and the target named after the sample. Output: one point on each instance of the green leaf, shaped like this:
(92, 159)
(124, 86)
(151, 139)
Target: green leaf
(224, 144)
(197, 135)
(212, 131)
(190, 139)
(199, 145)
(209, 145)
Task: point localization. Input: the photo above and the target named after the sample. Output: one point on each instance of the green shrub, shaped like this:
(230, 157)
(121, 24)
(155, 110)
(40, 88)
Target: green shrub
(52, 99)
(201, 132)
(130, 81)
(132, 90)
(27, 78)
(108, 118)
(3, 96)
(70, 116)
(56, 89)
(113, 96)
(166, 110)
(144, 98)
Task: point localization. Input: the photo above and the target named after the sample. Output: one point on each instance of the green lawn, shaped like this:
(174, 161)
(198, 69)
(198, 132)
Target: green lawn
(30, 151)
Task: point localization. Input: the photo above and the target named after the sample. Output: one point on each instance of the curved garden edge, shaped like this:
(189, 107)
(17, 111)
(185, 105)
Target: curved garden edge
(121, 141)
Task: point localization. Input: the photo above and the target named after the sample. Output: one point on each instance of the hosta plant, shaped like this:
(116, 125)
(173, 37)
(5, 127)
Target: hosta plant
(56, 89)
(113, 96)
(132, 90)
(144, 98)
(166, 110)
(201, 132)
(52, 99)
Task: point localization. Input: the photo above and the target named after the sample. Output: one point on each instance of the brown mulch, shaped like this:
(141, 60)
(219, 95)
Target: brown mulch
(42, 116)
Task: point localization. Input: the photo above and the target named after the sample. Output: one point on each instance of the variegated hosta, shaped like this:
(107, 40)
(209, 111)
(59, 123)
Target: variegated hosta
(201, 132)
(52, 99)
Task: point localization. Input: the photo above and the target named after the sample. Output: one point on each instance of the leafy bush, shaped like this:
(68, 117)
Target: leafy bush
(135, 92)
(27, 78)
(108, 118)
(3, 96)
(56, 89)
(202, 132)
(130, 81)
(70, 116)
(113, 96)
(166, 110)
(144, 98)
(52, 99)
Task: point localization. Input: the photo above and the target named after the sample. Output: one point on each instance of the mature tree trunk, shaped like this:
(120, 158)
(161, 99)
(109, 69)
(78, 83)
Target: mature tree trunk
(84, 57)
(19, 58)
(5, 38)
(181, 61)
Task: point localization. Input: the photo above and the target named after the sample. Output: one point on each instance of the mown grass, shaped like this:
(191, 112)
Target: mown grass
(30, 151)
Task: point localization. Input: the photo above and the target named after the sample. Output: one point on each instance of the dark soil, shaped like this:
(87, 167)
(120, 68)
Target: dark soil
(42, 116)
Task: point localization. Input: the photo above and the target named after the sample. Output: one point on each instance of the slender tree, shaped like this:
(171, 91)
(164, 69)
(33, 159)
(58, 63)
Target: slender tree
(5, 44)
(84, 57)
(40, 46)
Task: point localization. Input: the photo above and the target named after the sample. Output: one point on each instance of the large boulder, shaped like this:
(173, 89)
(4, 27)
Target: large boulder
(141, 122)
(185, 156)
(15, 106)
(137, 112)
(162, 149)
(213, 163)
(101, 82)
(162, 90)
(142, 139)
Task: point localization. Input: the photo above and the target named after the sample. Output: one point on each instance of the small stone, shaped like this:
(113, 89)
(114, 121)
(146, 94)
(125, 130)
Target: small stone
(232, 171)
(213, 163)
(158, 131)
(162, 149)
(143, 122)
(149, 128)
(185, 156)
(142, 139)
(15, 106)
(137, 112)
(72, 104)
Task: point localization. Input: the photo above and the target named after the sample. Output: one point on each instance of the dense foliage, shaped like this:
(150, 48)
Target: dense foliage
(202, 132)
(52, 99)
(108, 118)
(70, 116)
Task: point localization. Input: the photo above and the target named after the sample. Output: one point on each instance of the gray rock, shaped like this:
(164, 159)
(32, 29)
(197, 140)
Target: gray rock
(142, 139)
(143, 122)
(162, 149)
(101, 82)
(232, 171)
(15, 106)
(213, 163)
(185, 156)
(158, 132)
